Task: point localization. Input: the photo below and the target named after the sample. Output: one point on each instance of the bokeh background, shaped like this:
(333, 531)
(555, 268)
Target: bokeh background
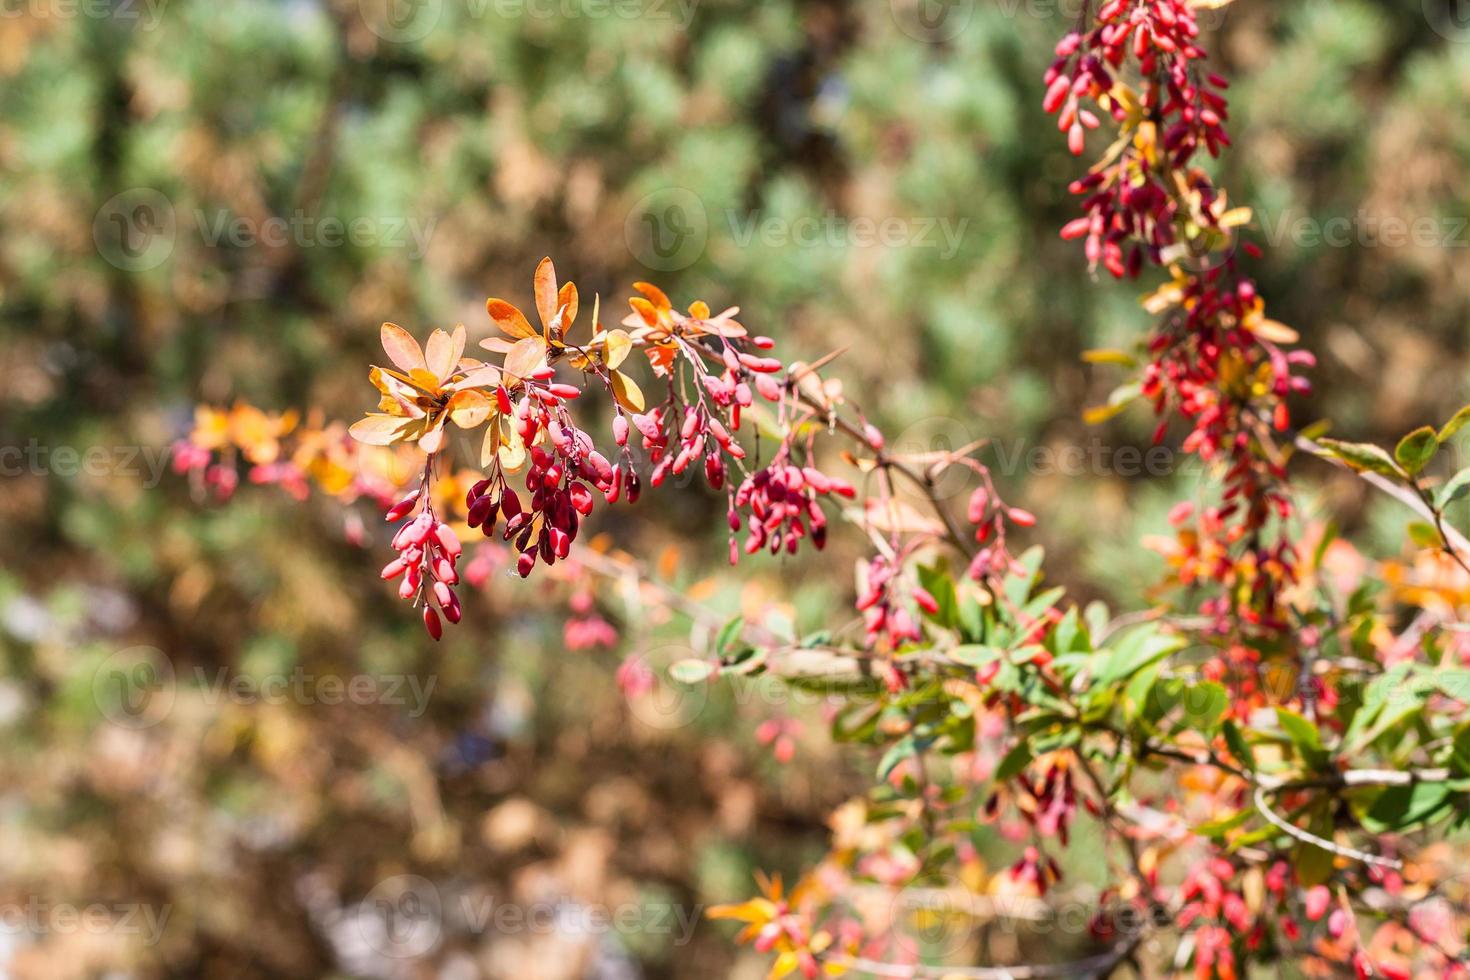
(211, 200)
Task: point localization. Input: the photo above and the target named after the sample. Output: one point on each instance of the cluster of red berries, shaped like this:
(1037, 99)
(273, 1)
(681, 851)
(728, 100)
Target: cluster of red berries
(886, 622)
(428, 552)
(782, 499)
(699, 435)
(1206, 358)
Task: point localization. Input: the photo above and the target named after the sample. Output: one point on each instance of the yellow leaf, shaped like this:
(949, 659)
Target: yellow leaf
(381, 430)
(401, 348)
(627, 392)
(512, 449)
(425, 379)
(619, 344)
(1100, 356)
(469, 408)
(1098, 414)
(491, 445)
(1274, 331)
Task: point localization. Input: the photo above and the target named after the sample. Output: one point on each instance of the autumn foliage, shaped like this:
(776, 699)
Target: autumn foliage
(1272, 756)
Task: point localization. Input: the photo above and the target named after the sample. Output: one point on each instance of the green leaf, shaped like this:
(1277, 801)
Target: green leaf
(904, 748)
(974, 655)
(1361, 456)
(1457, 487)
(1219, 828)
(1423, 534)
(1455, 424)
(1416, 449)
(937, 582)
(728, 635)
(1015, 760)
(691, 671)
(1138, 649)
(1402, 807)
(1205, 704)
(1239, 747)
(1304, 735)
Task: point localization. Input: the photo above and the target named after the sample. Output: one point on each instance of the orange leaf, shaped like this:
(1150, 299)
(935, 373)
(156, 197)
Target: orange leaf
(508, 318)
(402, 349)
(525, 357)
(546, 291)
(567, 299)
(655, 295)
(645, 309)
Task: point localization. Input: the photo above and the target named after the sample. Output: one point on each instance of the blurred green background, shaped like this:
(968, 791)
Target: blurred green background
(205, 200)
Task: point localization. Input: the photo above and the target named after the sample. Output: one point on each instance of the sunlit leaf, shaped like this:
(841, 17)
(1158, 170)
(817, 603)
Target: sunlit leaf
(618, 346)
(401, 348)
(509, 319)
(525, 358)
(439, 355)
(382, 430)
(1416, 449)
(545, 284)
(469, 408)
(627, 392)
